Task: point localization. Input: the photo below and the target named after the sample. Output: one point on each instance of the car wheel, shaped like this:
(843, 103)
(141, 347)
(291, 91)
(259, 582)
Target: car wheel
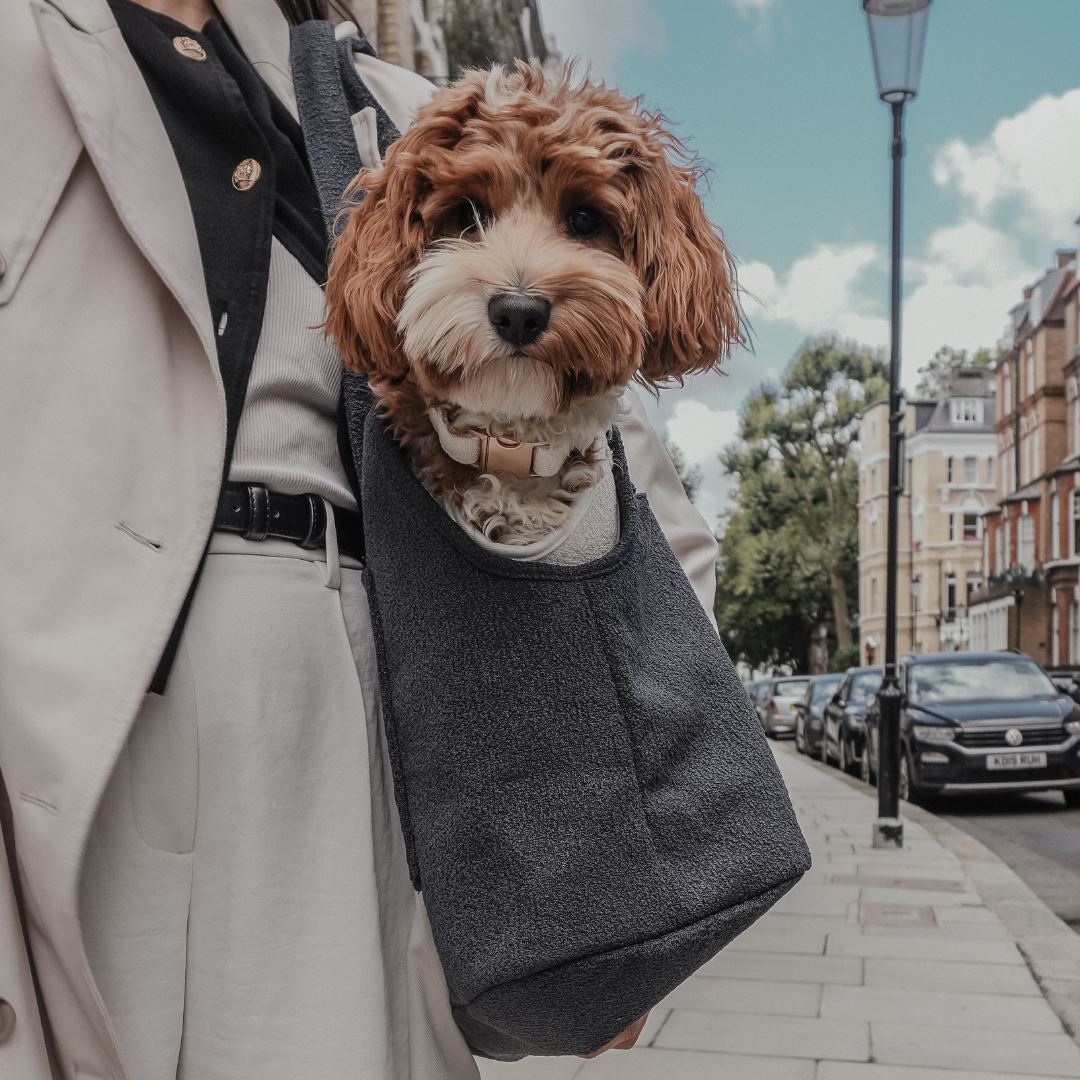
(866, 774)
(800, 735)
(1072, 798)
(907, 791)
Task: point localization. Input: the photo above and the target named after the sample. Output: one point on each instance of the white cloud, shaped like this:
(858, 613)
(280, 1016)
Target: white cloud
(600, 31)
(746, 8)
(1018, 184)
(1028, 165)
(701, 433)
(820, 292)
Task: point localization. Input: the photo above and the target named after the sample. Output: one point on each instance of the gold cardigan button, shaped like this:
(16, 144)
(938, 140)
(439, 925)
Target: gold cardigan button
(246, 174)
(7, 1020)
(189, 47)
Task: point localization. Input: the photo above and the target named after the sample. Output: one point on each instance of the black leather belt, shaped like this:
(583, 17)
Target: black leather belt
(256, 514)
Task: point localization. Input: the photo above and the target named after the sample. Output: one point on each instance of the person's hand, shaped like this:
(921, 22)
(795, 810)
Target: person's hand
(623, 1041)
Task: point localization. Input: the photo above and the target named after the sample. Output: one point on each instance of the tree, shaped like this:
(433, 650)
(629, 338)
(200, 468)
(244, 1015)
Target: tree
(946, 359)
(689, 475)
(790, 550)
(479, 33)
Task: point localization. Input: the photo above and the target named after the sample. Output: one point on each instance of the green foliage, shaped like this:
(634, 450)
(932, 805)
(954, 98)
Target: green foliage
(690, 476)
(946, 359)
(478, 33)
(844, 658)
(790, 549)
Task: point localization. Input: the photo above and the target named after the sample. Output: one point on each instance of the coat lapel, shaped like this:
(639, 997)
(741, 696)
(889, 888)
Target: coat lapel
(126, 140)
(263, 33)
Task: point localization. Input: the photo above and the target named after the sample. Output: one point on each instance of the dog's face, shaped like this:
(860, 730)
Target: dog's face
(529, 243)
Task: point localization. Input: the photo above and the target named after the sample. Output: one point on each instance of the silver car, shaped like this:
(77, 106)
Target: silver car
(780, 705)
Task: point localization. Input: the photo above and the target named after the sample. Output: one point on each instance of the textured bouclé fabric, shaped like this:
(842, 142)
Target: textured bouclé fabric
(589, 803)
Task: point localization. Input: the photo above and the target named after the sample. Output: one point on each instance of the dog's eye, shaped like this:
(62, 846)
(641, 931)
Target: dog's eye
(584, 221)
(471, 216)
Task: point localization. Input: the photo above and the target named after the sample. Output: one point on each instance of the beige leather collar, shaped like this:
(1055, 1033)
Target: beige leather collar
(497, 453)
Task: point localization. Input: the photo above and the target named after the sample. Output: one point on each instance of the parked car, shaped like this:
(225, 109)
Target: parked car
(842, 738)
(982, 722)
(761, 697)
(780, 702)
(809, 716)
(751, 690)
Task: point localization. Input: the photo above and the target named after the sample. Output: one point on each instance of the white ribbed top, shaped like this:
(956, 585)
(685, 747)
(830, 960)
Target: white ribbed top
(287, 437)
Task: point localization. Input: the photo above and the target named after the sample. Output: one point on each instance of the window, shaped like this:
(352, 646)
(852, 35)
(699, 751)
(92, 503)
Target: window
(873, 596)
(972, 584)
(990, 470)
(1074, 632)
(1007, 397)
(986, 550)
(1055, 526)
(1025, 539)
(951, 470)
(971, 526)
(952, 526)
(1027, 459)
(1007, 562)
(1030, 370)
(916, 593)
(1055, 633)
(966, 410)
(1036, 469)
(950, 597)
(999, 550)
(971, 470)
(873, 427)
(1076, 425)
(1074, 513)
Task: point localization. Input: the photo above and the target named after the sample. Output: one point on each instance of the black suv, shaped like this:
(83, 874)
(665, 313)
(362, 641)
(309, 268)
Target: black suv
(981, 722)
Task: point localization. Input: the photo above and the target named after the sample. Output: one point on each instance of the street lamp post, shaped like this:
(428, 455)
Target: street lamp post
(897, 34)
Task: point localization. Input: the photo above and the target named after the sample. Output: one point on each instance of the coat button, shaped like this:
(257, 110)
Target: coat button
(246, 174)
(7, 1021)
(189, 47)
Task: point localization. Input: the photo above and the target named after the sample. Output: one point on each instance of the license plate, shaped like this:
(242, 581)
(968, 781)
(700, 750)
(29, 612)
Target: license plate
(1016, 761)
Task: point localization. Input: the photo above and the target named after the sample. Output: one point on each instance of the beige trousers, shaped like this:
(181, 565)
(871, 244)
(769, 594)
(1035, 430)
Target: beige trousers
(245, 901)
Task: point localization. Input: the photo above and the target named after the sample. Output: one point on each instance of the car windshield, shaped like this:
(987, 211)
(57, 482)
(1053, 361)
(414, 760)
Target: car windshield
(823, 690)
(973, 680)
(792, 687)
(863, 688)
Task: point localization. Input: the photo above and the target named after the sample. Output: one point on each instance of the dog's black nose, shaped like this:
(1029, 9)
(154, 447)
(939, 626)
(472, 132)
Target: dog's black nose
(519, 318)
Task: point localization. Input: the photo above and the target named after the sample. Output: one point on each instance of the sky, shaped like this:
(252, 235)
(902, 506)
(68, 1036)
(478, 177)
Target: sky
(778, 97)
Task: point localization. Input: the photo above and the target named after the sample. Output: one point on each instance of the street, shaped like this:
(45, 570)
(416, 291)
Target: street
(1036, 835)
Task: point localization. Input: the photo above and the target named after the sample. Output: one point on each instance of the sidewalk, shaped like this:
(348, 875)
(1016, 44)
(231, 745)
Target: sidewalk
(879, 965)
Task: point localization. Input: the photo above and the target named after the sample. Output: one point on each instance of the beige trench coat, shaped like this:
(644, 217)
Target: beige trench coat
(112, 431)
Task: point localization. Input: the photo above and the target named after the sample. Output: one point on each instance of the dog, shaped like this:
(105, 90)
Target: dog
(529, 248)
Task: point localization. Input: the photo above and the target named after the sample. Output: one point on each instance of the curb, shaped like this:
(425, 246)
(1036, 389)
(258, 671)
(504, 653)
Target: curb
(1050, 947)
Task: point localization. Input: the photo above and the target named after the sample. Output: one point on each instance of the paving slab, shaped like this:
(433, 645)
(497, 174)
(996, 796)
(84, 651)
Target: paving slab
(785, 967)
(939, 1008)
(797, 1036)
(850, 1070)
(901, 974)
(656, 1064)
(747, 996)
(961, 1048)
(842, 943)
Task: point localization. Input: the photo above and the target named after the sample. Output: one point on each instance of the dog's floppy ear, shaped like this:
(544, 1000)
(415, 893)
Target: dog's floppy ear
(691, 304)
(369, 273)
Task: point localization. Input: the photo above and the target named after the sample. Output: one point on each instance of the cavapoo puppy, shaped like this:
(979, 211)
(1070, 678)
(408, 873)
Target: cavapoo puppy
(529, 247)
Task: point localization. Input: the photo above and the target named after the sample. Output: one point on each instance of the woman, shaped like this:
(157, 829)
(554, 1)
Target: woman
(207, 879)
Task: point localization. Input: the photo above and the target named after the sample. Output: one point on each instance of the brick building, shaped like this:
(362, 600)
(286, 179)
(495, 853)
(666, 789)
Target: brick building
(1031, 537)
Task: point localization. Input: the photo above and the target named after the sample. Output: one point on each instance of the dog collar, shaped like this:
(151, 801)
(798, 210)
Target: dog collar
(497, 453)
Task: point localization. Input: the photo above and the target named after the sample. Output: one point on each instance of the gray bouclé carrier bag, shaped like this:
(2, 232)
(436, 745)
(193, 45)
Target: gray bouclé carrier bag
(589, 805)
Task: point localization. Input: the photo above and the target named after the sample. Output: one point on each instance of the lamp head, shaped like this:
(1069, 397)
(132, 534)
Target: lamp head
(897, 35)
